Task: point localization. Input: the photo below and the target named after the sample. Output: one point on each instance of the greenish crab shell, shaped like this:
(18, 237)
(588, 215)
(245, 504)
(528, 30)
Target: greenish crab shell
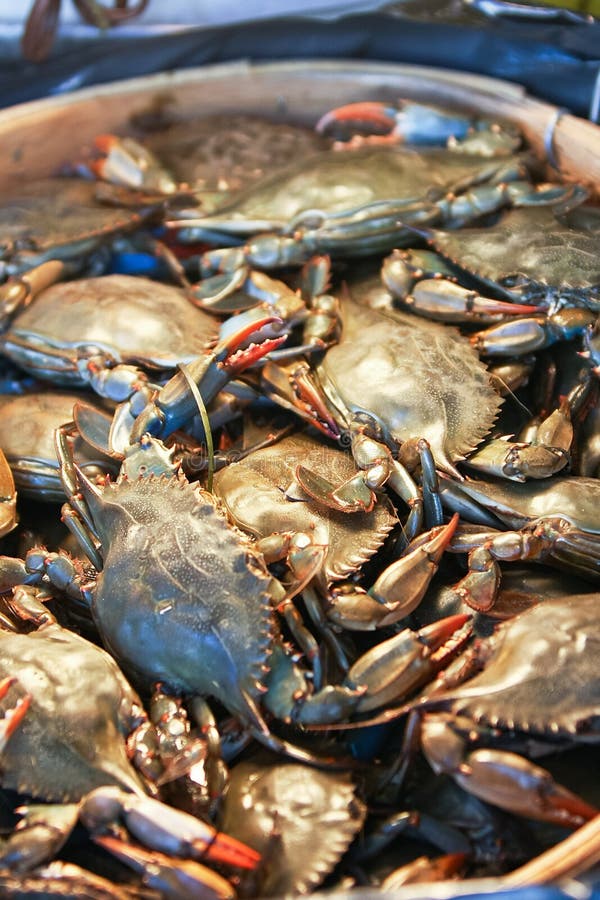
(72, 738)
(337, 183)
(554, 643)
(58, 218)
(198, 615)
(132, 320)
(27, 440)
(573, 499)
(529, 255)
(417, 380)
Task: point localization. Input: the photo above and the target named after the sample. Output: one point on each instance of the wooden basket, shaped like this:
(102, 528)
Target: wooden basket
(36, 138)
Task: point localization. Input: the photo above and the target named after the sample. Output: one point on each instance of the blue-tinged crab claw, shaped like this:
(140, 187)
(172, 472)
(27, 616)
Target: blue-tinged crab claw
(413, 123)
(175, 404)
(174, 878)
(14, 715)
(163, 828)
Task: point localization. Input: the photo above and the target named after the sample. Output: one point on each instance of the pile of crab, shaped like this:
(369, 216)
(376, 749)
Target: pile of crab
(300, 512)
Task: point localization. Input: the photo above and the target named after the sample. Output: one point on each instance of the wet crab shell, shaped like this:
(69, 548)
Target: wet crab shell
(226, 152)
(61, 215)
(197, 614)
(131, 319)
(306, 816)
(340, 182)
(541, 677)
(27, 439)
(530, 247)
(72, 738)
(253, 492)
(417, 381)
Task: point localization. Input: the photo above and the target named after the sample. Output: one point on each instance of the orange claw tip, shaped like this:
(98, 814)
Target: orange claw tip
(377, 114)
(172, 875)
(105, 142)
(6, 684)
(436, 634)
(568, 809)
(229, 850)
(12, 719)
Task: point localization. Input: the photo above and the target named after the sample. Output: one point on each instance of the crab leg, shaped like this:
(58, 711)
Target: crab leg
(176, 879)
(425, 285)
(126, 162)
(528, 335)
(174, 404)
(384, 674)
(164, 828)
(521, 460)
(498, 776)
(398, 590)
(418, 123)
(8, 498)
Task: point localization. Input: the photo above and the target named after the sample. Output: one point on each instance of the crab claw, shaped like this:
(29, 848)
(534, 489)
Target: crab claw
(414, 123)
(14, 715)
(294, 388)
(164, 828)
(175, 404)
(376, 115)
(126, 162)
(500, 777)
(173, 878)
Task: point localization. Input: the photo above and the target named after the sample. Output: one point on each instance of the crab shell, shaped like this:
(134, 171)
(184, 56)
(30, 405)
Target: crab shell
(253, 492)
(530, 247)
(416, 380)
(182, 598)
(226, 152)
(313, 816)
(27, 439)
(541, 676)
(134, 320)
(59, 218)
(573, 499)
(340, 182)
(72, 738)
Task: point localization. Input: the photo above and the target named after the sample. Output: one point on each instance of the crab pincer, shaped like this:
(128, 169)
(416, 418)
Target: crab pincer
(418, 123)
(175, 879)
(163, 828)
(13, 716)
(174, 404)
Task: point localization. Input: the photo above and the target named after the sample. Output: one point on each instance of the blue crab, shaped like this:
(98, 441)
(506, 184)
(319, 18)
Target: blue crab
(201, 611)
(418, 393)
(71, 721)
(553, 522)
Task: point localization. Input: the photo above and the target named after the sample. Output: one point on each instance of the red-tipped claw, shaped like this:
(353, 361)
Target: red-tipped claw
(245, 346)
(375, 114)
(182, 878)
(13, 716)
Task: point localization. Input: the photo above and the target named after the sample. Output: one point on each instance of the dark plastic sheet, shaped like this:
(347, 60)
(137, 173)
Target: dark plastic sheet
(556, 62)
